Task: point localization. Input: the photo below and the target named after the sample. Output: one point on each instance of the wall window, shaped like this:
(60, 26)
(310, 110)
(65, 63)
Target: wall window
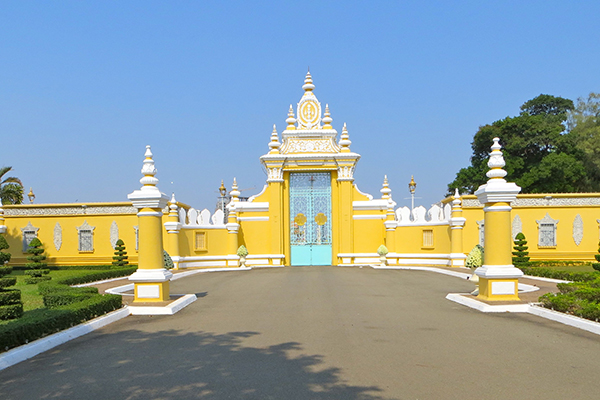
(200, 243)
(29, 233)
(86, 237)
(547, 231)
(427, 238)
(137, 237)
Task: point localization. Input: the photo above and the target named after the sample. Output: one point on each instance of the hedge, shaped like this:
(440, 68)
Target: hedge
(95, 276)
(42, 322)
(75, 267)
(564, 275)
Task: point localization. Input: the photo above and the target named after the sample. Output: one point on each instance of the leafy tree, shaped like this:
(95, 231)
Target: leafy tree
(597, 256)
(11, 188)
(584, 137)
(37, 263)
(534, 147)
(521, 255)
(120, 257)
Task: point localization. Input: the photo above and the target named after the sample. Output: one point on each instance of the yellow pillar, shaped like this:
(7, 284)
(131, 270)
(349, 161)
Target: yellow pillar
(457, 222)
(498, 278)
(151, 279)
(233, 226)
(173, 227)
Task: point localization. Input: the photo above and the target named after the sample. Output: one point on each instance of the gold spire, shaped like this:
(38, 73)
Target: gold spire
(291, 121)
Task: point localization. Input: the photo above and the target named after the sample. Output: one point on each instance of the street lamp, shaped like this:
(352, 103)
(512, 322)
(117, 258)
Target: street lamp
(223, 192)
(412, 186)
(31, 195)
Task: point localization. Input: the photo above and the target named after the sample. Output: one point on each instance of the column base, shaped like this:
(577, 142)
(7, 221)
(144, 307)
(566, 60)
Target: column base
(457, 259)
(498, 289)
(151, 292)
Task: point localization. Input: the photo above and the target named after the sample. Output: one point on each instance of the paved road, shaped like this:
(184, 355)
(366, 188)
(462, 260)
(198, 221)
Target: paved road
(318, 333)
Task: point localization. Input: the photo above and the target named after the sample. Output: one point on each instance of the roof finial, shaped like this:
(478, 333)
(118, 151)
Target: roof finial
(345, 140)
(327, 118)
(308, 83)
(496, 162)
(173, 204)
(148, 169)
(291, 121)
(274, 144)
(235, 193)
(385, 190)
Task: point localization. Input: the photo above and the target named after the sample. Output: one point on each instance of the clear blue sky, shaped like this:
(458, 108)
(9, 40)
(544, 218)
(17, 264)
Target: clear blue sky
(85, 85)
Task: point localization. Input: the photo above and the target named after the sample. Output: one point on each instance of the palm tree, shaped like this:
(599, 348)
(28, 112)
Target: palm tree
(11, 188)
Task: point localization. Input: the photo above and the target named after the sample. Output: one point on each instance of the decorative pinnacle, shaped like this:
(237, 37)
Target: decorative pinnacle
(345, 140)
(327, 118)
(235, 193)
(173, 204)
(274, 143)
(148, 169)
(385, 190)
(456, 202)
(496, 162)
(308, 83)
(291, 121)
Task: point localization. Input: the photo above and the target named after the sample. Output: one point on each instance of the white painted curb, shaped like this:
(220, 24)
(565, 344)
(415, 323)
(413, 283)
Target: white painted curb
(168, 310)
(36, 347)
(483, 307)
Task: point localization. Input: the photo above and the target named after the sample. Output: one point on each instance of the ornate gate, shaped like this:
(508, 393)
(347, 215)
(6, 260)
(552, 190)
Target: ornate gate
(310, 218)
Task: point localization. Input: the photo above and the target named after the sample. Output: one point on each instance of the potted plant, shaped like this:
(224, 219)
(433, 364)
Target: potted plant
(382, 251)
(242, 252)
(475, 260)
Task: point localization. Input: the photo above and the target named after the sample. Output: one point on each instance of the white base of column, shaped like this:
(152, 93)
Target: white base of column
(151, 275)
(498, 271)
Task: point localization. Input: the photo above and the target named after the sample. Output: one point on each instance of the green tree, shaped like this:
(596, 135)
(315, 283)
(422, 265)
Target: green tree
(584, 137)
(520, 253)
(37, 263)
(534, 147)
(120, 257)
(596, 265)
(4, 256)
(11, 306)
(11, 188)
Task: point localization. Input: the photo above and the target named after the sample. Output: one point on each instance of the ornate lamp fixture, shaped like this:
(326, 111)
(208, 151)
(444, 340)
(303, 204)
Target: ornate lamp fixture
(412, 186)
(31, 195)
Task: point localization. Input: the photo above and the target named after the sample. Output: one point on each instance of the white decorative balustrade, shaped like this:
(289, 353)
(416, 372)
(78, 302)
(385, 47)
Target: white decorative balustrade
(192, 218)
(436, 215)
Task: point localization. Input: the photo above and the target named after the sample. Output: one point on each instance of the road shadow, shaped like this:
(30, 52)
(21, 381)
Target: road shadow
(133, 364)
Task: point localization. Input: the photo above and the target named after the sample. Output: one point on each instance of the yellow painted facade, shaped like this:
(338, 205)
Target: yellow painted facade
(357, 223)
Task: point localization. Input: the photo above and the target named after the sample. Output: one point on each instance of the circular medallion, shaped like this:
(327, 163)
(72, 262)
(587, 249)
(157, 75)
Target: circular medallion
(309, 113)
(320, 219)
(300, 219)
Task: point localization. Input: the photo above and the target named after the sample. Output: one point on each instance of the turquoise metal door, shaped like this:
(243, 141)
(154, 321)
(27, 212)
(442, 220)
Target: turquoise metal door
(310, 218)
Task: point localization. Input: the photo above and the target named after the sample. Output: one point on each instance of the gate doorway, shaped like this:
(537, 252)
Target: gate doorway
(310, 218)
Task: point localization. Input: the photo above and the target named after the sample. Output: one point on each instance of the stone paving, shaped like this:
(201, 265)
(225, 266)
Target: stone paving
(318, 333)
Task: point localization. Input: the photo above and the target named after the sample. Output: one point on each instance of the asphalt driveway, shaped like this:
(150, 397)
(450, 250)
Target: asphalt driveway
(318, 333)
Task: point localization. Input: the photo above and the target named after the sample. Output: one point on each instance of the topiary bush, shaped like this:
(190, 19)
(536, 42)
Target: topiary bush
(37, 263)
(4, 257)
(382, 250)
(120, 257)
(11, 306)
(167, 260)
(520, 253)
(475, 257)
(597, 256)
(242, 251)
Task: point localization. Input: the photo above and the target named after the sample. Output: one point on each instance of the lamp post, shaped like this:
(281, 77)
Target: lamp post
(31, 195)
(412, 186)
(223, 192)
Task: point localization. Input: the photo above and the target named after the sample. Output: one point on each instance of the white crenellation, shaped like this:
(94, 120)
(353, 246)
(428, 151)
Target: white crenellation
(204, 217)
(57, 236)
(578, 229)
(182, 216)
(403, 215)
(217, 218)
(517, 226)
(114, 234)
(418, 214)
(435, 213)
(192, 215)
(447, 212)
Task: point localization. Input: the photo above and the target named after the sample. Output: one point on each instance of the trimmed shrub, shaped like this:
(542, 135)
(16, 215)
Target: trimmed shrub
(93, 276)
(242, 251)
(382, 250)
(597, 256)
(564, 275)
(4, 257)
(475, 257)
(521, 255)
(167, 260)
(11, 306)
(37, 263)
(43, 322)
(120, 257)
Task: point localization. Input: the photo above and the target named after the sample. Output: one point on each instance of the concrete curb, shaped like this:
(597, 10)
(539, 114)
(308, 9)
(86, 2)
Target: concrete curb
(168, 310)
(36, 347)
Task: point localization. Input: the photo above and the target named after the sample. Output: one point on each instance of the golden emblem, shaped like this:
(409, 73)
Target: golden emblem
(320, 219)
(309, 112)
(300, 219)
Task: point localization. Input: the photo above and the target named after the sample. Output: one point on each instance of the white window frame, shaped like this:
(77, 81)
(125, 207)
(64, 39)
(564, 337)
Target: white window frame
(547, 228)
(84, 232)
(29, 233)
